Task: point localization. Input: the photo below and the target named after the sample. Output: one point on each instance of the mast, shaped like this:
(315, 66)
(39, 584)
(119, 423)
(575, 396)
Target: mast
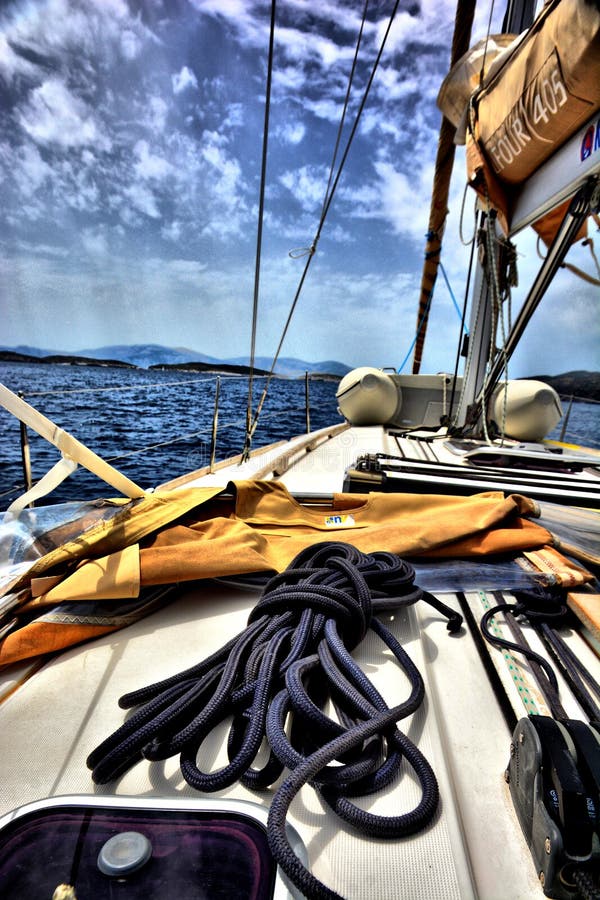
(519, 16)
(441, 186)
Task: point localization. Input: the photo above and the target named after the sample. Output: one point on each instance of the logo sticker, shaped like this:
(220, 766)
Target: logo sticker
(345, 521)
(591, 141)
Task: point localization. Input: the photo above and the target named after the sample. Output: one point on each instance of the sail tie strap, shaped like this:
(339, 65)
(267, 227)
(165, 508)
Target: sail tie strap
(70, 448)
(293, 659)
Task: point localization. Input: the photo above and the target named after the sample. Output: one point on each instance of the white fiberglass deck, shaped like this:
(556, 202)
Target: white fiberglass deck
(474, 848)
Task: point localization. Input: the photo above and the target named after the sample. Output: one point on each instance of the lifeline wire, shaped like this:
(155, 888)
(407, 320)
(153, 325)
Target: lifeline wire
(274, 680)
(261, 207)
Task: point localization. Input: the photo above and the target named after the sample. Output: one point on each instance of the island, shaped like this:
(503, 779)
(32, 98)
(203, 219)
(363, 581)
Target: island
(216, 368)
(63, 360)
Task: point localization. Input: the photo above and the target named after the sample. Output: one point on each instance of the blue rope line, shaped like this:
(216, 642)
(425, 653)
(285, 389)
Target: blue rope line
(416, 337)
(293, 656)
(425, 314)
(456, 306)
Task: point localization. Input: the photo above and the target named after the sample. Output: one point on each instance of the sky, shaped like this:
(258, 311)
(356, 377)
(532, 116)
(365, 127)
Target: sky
(130, 158)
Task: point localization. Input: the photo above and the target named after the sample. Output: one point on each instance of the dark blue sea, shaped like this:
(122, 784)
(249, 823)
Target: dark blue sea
(155, 425)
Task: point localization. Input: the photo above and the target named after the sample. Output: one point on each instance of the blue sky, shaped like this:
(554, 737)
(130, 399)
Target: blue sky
(130, 160)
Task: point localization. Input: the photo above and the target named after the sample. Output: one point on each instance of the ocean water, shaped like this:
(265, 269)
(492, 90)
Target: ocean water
(152, 425)
(155, 425)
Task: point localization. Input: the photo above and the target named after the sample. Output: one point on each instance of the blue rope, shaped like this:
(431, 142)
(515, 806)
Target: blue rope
(291, 660)
(456, 306)
(416, 337)
(426, 313)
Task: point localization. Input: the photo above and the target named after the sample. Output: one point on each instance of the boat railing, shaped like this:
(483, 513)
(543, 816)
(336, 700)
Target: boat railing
(572, 437)
(208, 434)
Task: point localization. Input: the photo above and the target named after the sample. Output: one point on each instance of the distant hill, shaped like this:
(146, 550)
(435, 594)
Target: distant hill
(65, 359)
(146, 356)
(585, 385)
(582, 384)
(287, 365)
(224, 368)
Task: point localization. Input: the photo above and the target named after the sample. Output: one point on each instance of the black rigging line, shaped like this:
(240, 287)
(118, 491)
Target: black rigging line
(261, 207)
(293, 659)
(331, 189)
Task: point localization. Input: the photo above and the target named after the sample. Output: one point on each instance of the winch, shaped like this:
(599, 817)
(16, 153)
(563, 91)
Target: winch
(554, 780)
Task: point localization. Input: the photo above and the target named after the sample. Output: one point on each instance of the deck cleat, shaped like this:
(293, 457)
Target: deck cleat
(554, 779)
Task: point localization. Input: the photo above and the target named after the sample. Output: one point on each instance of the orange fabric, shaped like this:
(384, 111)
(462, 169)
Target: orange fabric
(41, 638)
(267, 528)
(196, 534)
(550, 561)
(549, 224)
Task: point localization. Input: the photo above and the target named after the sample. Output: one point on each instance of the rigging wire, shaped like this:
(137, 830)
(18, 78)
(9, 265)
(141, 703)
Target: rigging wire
(331, 189)
(261, 208)
(423, 319)
(460, 343)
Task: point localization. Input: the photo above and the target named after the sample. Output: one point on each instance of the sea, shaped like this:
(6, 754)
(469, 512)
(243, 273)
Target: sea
(151, 424)
(155, 425)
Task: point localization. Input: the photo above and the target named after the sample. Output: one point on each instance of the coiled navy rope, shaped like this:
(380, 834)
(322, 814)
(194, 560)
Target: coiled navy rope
(292, 659)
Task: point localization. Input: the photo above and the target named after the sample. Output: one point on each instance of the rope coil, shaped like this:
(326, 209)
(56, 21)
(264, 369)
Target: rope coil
(293, 659)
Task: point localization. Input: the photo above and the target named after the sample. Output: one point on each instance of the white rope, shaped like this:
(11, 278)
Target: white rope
(69, 446)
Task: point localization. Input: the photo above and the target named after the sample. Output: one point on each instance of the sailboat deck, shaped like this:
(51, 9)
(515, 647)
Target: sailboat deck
(473, 848)
(47, 732)
(419, 462)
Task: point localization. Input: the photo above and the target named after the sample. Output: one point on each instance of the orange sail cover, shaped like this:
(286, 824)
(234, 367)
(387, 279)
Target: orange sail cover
(88, 585)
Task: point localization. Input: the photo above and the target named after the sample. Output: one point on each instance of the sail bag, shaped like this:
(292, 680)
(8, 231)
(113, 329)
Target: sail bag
(515, 105)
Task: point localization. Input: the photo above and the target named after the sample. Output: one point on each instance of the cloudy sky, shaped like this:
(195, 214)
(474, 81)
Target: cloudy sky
(130, 164)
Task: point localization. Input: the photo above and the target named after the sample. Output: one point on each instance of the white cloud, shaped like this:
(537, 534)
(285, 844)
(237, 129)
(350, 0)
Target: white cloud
(95, 242)
(234, 117)
(289, 79)
(307, 186)
(11, 63)
(398, 199)
(157, 113)
(183, 79)
(304, 45)
(250, 29)
(185, 270)
(292, 133)
(172, 231)
(143, 200)
(32, 171)
(54, 115)
(149, 165)
(325, 108)
(131, 44)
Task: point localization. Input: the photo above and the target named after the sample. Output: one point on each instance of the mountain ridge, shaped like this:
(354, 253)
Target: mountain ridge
(581, 384)
(148, 356)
